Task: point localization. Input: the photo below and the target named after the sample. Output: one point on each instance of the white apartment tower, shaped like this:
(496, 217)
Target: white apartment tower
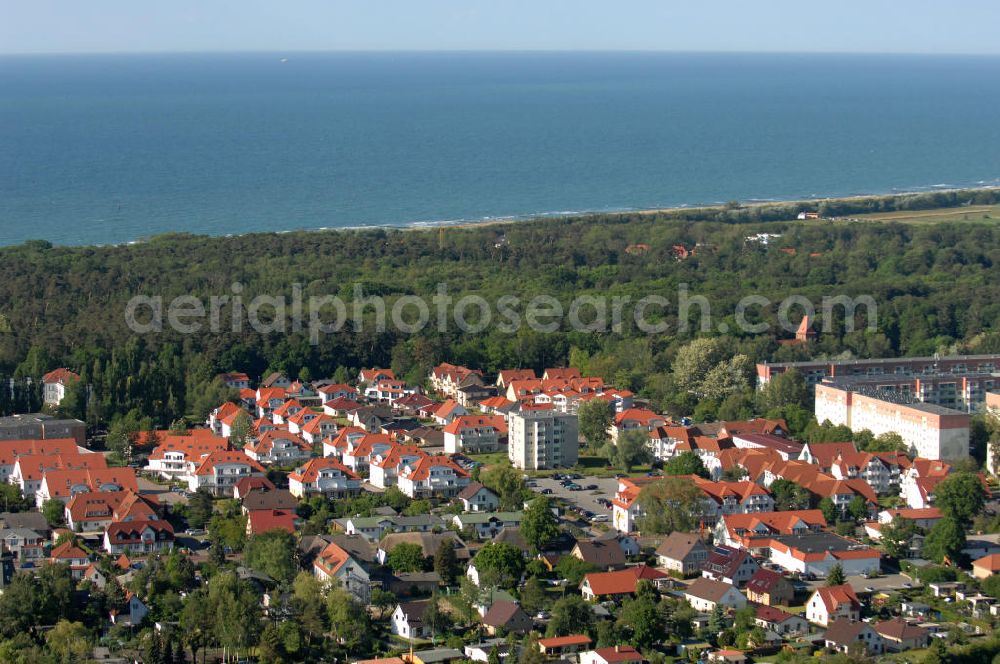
(540, 437)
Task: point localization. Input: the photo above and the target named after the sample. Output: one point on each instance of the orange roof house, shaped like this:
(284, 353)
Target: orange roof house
(618, 584)
(262, 521)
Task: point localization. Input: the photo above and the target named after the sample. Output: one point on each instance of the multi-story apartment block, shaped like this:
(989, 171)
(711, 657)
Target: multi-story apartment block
(931, 431)
(539, 437)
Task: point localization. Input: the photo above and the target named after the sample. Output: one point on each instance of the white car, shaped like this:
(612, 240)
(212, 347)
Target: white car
(600, 518)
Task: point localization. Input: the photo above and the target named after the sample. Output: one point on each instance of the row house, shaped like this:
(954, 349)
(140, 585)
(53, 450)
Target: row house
(386, 466)
(133, 537)
(508, 376)
(388, 391)
(324, 476)
(29, 471)
(317, 429)
(433, 476)
(754, 531)
(636, 418)
(96, 510)
(269, 399)
(64, 484)
(297, 422)
(734, 497)
(219, 472)
(179, 456)
(447, 378)
(278, 447)
(10, 450)
(225, 412)
(474, 434)
(359, 452)
(338, 444)
(882, 473)
(289, 408)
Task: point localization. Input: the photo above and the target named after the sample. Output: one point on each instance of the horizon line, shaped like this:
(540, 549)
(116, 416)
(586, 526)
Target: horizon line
(546, 51)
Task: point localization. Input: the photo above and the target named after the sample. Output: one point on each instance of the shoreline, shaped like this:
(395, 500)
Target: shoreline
(677, 213)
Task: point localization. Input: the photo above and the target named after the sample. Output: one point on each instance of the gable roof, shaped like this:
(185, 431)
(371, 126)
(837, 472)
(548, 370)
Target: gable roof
(990, 562)
(708, 589)
(835, 596)
(310, 471)
(261, 521)
(763, 581)
(501, 613)
(898, 629)
(844, 631)
(773, 614)
(602, 554)
(421, 470)
(470, 491)
(62, 376)
(60, 483)
(208, 464)
(621, 582)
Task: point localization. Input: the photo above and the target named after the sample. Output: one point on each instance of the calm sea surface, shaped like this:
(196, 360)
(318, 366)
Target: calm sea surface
(102, 149)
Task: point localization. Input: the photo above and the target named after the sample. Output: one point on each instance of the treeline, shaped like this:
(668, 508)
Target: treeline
(65, 306)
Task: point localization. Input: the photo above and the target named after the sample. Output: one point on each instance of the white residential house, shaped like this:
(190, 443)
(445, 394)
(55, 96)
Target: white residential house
(478, 498)
(472, 434)
(432, 476)
(408, 621)
(386, 466)
(324, 476)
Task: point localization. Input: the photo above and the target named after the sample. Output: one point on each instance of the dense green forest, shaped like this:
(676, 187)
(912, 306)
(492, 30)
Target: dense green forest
(934, 285)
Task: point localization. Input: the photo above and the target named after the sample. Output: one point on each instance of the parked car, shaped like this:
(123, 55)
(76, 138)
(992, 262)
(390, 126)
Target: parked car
(194, 531)
(591, 487)
(600, 518)
(575, 487)
(546, 492)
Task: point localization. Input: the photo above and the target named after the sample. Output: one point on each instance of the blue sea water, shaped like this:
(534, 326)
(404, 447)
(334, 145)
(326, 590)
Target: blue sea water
(103, 149)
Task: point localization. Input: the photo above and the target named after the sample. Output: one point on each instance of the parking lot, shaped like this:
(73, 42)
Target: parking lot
(581, 500)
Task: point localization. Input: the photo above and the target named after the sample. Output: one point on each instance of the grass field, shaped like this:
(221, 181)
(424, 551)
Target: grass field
(974, 214)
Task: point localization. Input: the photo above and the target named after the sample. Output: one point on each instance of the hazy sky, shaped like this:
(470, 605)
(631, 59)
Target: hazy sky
(891, 26)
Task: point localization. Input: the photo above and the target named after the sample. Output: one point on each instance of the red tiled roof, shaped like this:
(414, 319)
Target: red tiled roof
(621, 582)
(60, 483)
(62, 376)
(311, 469)
(562, 641)
(835, 596)
(261, 521)
(227, 456)
(421, 470)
